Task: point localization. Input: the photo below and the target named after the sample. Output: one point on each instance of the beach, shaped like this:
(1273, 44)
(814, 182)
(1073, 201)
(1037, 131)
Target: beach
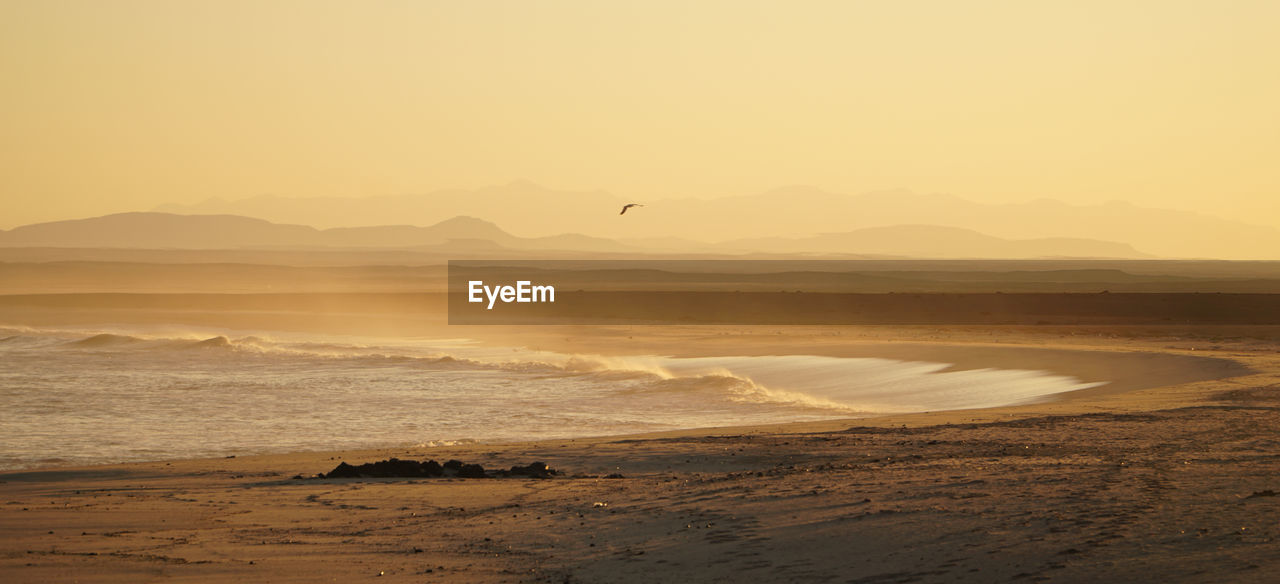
(1167, 473)
(639, 292)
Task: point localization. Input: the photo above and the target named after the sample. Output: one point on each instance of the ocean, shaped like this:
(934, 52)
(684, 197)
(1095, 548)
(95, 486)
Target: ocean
(80, 397)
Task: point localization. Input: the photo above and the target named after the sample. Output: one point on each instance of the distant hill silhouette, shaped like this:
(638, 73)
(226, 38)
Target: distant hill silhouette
(469, 234)
(528, 209)
(171, 231)
(532, 210)
(160, 231)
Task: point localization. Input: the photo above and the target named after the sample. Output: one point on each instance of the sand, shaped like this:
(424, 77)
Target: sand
(1168, 473)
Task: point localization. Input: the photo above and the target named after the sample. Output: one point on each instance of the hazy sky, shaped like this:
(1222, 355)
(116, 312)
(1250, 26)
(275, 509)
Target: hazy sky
(122, 105)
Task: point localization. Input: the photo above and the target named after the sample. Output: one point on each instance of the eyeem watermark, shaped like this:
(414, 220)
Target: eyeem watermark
(523, 291)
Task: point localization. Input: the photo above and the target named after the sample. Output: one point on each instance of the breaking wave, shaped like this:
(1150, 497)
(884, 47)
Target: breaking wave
(843, 386)
(109, 395)
(106, 340)
(640, 375)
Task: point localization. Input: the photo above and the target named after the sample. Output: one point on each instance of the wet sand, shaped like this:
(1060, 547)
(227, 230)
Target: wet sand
(1168, 473)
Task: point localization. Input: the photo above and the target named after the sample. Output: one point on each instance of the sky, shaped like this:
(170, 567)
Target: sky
(126, 105)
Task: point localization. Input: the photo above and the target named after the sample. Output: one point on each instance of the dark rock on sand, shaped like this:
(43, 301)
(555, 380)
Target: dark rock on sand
(343, 471)
(393, 467)
(396, 468)
(538, 470)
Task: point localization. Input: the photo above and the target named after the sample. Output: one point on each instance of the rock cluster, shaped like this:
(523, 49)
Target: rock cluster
(395, 467)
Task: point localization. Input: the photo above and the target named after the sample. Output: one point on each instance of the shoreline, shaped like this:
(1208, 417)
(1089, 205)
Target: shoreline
(1065, 361)
(1119, 372)
(1157, 481)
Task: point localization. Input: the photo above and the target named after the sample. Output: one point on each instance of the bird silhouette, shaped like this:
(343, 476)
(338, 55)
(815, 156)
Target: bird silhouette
(628, 206)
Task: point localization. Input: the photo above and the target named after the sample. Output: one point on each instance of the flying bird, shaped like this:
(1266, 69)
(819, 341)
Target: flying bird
(628, 206)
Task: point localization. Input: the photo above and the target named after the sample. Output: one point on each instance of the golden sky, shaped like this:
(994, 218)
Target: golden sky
(122, 105)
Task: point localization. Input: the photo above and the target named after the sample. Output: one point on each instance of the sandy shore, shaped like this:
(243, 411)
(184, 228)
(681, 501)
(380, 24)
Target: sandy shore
(1167, 473)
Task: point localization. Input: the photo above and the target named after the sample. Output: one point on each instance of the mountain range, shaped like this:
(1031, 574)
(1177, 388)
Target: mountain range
(171, 231)
(474, 236)
(531, 210)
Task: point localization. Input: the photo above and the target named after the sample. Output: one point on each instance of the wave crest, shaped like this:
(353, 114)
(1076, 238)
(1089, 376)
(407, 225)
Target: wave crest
(106, 340)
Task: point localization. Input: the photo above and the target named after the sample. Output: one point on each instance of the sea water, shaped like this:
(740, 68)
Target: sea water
(76, 397)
